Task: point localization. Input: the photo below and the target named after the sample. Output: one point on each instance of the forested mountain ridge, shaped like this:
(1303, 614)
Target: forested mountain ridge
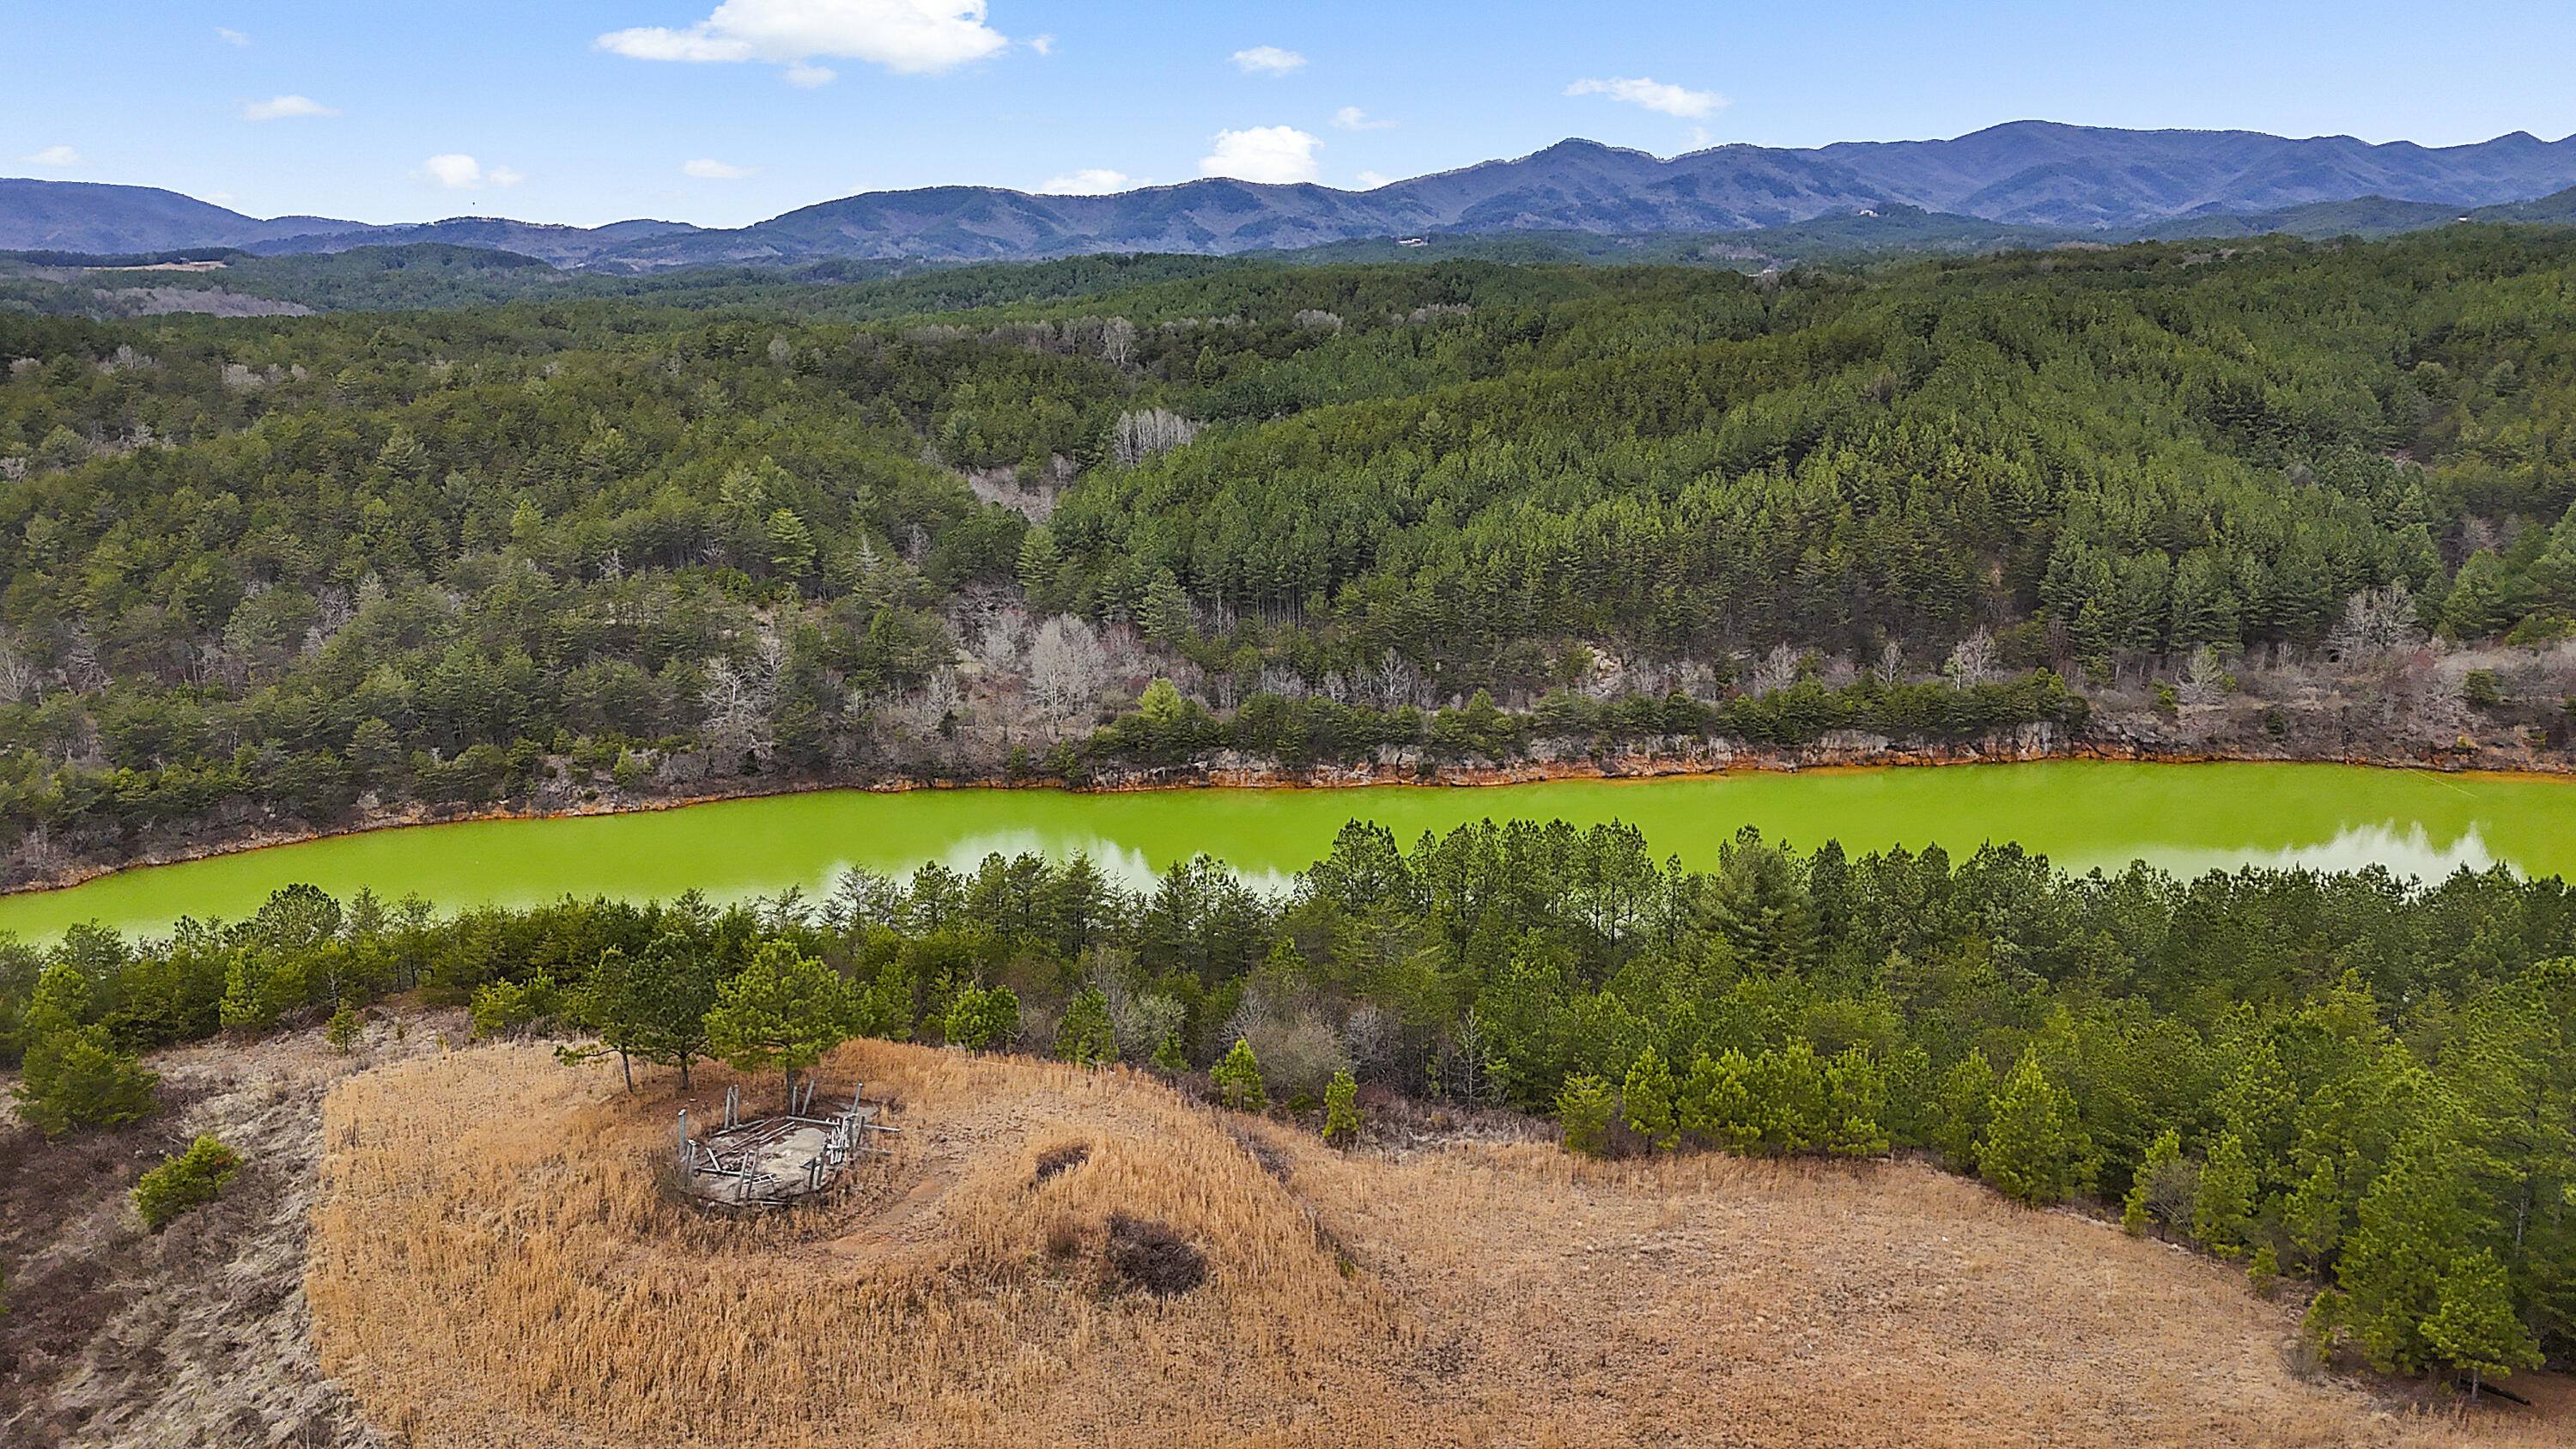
(273, 574)
(2031, 173)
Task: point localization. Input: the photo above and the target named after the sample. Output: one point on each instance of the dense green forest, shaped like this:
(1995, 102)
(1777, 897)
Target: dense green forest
(2345, 1076)
(267, 573)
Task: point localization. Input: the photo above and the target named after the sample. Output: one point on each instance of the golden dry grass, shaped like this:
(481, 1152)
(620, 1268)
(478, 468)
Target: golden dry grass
(493, 1263)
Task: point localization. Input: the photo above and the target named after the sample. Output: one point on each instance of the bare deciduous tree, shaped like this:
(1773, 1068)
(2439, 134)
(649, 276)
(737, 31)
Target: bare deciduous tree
(1369, 1039)
(1393, 682)
(1777, 670)
(1138, 436)
(735, 718)
(1067, 666)
(17, 676)
(2375, 622)
(2204, 676)
(939, 698)
(1118, 341)
(1972, 661)
(1002, 648)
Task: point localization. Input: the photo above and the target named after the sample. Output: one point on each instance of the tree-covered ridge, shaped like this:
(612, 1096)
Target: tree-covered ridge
(2359, 1079)
(268, 569)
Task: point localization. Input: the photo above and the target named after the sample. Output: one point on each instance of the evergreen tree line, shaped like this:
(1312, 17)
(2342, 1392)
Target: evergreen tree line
(2364, 1081)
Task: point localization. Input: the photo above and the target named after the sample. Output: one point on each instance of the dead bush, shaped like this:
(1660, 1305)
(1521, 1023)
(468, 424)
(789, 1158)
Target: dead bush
(1151, 1256)
(1060, 1159)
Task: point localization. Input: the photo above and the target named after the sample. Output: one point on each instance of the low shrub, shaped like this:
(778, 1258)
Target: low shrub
(192, 1178)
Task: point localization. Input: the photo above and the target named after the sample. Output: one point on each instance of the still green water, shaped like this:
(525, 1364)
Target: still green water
(2081, 814)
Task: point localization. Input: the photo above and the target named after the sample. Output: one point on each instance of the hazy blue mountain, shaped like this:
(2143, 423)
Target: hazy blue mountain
(564, 246)
(2028, 174)
(90, 216)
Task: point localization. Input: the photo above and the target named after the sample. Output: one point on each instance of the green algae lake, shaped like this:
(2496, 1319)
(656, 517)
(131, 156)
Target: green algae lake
(2081, 814)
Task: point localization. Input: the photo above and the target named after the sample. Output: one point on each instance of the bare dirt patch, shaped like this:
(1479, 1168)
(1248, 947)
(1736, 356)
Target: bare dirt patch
(199, 1335)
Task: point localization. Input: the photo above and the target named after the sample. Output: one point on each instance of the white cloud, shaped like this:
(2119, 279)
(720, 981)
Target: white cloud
(1267, 60)
(1371, 181)
(1092, 181)
(805, 75)
(54, 156)
(456, 173)
(1042, 44)
(1352, 118)
(278, 108)
(231, 37)
(464, 173)
(1653, 95)
(708, 169)
(1276, 154)
(909, 36)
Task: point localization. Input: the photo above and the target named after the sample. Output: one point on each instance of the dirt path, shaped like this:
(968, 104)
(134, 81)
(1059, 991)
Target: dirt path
(200, 1335)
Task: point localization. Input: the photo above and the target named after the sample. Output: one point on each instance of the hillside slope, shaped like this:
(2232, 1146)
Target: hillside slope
(492, 1265)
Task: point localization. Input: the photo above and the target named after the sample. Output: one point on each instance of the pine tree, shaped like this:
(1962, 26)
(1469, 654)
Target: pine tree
(1585, 1107)
(1647, 1100)
(1913, 1097)
(2259, 1105)
(245, 1004)
(2474, 1328)
(1086, 1037)
(1967, 1105)
(344, 1028)
(2030, 1147)
(2264, 1272)
(183, 1181)
(1238, 1080)
(2138, 1209)
(1165, 611)
(1168, 1057)
(1787, 1088)
(781, 1010)
(2222, 1216)
(1341, 1107)
(2314, 1213)
(1855, 1102)
(1716, 1104)
(2412, 1223)
(979, 1017)
(1160, 703)
(74, 1077)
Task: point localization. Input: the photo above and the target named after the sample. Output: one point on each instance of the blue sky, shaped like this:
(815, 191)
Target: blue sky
(722, 112)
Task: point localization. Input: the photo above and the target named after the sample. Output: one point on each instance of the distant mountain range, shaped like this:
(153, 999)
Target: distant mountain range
(2033, 174)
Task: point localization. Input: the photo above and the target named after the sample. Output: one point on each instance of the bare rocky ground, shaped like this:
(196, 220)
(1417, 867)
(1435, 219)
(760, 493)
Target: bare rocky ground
(200, 1335)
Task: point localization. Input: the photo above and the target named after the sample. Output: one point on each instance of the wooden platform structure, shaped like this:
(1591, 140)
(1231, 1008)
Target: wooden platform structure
(772, 1161)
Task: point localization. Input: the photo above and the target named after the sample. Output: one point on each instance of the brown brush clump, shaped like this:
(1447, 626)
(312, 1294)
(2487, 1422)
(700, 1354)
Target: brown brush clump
(1056, 1256)
(1151, 1256)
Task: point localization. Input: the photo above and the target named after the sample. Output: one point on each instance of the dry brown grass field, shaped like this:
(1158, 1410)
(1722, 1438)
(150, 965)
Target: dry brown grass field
(495, 1261)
